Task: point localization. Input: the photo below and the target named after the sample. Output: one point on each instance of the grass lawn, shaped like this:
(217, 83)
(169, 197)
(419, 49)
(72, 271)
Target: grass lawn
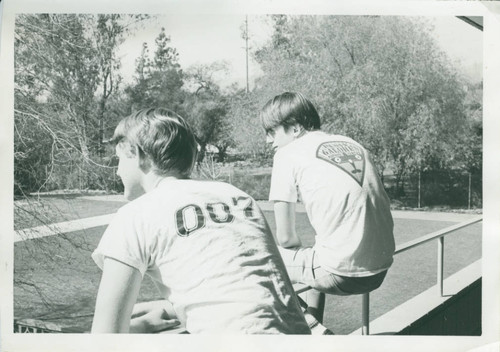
(33, 212)
(57, 281)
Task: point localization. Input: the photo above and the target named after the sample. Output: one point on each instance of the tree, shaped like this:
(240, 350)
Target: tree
(206, 108)
(202, 78)
(158, 81)
(65, 72)
(65, 92)
(468, 154)
(108, 36)
(246, 127)
(380, 80)
(55, 58)
(207, 118)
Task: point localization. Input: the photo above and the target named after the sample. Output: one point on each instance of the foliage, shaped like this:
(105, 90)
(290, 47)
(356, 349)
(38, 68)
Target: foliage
(245, 124)
(193, 94)
(158, 82)
(257, 186)
(446, 187)
(203, 77)
(55, 53)
(206, 109)
(65, 74)
(380, 80)
(32, 155)
(468, 154)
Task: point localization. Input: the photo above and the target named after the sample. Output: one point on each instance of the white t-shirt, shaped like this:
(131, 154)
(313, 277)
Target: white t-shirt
(209, 249)
(344, 199)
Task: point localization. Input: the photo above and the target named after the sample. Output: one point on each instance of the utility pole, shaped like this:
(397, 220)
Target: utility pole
(246, 48)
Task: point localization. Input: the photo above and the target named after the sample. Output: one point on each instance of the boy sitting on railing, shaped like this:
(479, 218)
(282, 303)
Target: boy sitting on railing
(205, 244)
(343, 197)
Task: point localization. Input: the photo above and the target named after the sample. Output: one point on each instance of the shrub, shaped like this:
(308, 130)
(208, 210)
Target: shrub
(448, 188)
(256, 186)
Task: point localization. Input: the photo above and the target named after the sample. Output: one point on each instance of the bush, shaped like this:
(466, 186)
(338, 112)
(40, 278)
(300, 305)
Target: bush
(256, 186)
(451, 187)
(246, 175)
(98, 174)
(448, 188)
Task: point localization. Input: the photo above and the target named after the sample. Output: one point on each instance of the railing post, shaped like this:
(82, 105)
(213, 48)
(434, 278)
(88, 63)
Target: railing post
(365, 311)
(440, 260)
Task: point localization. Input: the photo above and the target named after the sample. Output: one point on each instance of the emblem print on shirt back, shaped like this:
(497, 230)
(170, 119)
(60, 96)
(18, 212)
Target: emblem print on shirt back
(347, 156)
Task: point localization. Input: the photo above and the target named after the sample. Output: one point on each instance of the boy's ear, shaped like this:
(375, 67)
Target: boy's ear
(127, 149)
(297, 130)
(142, 159)
(131, 150)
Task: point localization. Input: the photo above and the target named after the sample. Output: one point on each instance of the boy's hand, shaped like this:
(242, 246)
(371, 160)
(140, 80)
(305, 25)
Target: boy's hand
(151, 317)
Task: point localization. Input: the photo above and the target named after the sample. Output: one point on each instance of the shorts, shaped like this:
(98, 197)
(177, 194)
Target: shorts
(302, 269)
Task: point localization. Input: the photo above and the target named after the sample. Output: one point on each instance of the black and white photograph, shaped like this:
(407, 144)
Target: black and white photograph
(195, 175)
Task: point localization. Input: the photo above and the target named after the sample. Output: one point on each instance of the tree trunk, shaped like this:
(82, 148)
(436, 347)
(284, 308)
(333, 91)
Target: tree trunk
(419, 187)
(470, 190)
(100, 146)
(106, 92)
(221, 154)
(400, 183)
(382, 177)
(82, 141)
(201, 153)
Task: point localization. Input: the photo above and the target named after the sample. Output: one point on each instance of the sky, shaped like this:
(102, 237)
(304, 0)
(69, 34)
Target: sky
(202, 39)
(207, 38)
(462, 42)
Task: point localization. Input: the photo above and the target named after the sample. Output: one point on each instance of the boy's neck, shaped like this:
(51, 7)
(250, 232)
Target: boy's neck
(152, 180)
(303, 132)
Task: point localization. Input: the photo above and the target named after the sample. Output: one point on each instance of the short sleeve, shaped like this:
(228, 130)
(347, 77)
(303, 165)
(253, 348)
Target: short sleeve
(124, 240)
(283, 184)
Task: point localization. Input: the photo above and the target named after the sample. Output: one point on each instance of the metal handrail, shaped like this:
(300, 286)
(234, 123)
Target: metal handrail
(434, 235)
(439, 235)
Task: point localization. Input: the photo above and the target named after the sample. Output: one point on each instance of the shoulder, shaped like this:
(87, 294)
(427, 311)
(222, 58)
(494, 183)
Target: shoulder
(208, 186)
(224, 188)
(127, 215)
(341, 140)
(138, 209)
(311, 139)
(301, 146)
(190, 190)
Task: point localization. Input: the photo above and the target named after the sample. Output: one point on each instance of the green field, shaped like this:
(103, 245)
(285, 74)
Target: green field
(57, 281)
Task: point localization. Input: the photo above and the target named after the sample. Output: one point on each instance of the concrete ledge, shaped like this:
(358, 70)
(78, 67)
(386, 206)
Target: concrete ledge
(403, 316)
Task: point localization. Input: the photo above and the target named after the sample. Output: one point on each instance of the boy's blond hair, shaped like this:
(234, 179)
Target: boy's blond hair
(161, 135)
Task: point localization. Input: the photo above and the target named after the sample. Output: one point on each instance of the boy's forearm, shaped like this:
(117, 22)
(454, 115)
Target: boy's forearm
(106, 323)
(117, 294)
(286, 236)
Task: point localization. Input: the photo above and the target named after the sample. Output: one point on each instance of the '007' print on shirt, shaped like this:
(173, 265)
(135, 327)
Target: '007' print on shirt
(347, 156)
(192, 217)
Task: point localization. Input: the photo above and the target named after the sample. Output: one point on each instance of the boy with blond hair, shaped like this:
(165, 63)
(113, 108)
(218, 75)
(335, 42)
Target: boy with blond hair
(206, 244)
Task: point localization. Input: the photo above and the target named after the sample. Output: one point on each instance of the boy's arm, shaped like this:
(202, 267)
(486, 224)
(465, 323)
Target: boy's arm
(284, 213)
(117, 294)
